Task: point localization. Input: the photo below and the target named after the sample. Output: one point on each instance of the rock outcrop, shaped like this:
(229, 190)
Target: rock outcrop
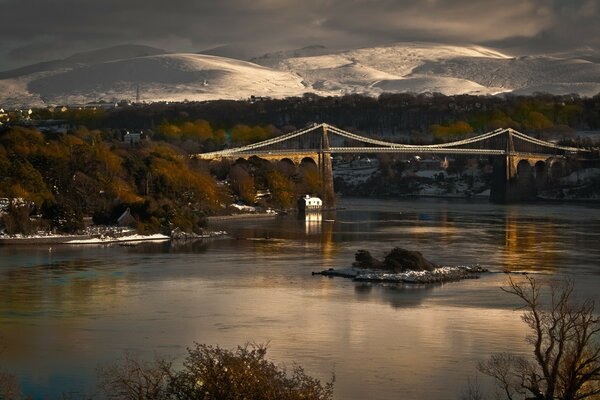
(402, 266)
(397, 260)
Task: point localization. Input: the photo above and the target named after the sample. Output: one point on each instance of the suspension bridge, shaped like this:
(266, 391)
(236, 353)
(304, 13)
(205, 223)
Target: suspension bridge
(512, 152)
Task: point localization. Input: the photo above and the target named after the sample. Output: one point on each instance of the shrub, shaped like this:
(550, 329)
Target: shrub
(212, 373)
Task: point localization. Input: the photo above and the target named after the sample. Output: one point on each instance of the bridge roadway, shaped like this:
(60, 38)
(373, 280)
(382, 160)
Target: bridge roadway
(374, 150)
(508, 148)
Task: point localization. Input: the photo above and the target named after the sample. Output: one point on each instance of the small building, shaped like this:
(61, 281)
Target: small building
(309, 203)
(133, 138)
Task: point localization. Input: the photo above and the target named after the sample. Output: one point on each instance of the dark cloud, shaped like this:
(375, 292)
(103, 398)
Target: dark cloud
(35, 30)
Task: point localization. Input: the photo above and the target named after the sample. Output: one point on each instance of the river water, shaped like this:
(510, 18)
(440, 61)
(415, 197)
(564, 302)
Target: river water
(65, 310)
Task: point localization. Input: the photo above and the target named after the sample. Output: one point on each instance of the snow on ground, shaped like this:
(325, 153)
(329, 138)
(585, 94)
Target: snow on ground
(401, 67)
(171, 77)
(122, 239)
(168, 77)
(437, 275)
(244, 208)
(437, 84)
(356, 172)
(584, 175)
(431, 174)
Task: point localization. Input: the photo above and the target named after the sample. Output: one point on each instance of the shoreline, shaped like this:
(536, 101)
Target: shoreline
(237, 217)
(537, 200)
(80, 239)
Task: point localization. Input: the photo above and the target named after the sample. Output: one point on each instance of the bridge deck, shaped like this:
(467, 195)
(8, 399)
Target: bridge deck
(311, 140)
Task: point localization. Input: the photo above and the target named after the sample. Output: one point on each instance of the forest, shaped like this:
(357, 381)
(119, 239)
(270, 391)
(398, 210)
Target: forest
(63, 179)
(414, 116)
(57, 180)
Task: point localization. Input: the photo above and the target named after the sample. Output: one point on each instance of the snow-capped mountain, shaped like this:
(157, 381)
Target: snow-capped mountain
(117, 73)
(424, 67)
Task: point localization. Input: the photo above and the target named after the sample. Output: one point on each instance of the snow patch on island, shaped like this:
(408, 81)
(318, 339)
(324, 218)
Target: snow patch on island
(437, 275)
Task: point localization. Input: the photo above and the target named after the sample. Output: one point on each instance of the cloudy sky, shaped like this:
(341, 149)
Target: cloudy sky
(40, 30)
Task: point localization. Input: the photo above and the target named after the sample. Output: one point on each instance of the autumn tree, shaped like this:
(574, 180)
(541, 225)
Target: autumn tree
(566, 355)
(242, 184)
(213, 373)
(311, 182)
(282, 189)
(451, 131)
(244, 134)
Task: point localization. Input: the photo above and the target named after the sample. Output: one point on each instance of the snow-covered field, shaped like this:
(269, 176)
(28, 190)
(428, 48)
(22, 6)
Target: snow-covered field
(116, 74)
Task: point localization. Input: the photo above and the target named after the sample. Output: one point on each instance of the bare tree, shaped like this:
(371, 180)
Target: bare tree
(9, 387)
(566, 355)
(133, 379)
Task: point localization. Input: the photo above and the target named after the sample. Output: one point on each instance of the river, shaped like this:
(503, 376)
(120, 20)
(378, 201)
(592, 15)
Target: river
(65, 310)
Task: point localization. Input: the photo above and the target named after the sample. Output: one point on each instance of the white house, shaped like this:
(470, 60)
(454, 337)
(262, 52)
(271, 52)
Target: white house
(309, 203)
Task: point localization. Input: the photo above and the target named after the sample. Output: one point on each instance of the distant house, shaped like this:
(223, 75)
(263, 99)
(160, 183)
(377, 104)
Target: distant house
(309, 203)
(99, 105)
(133, 138)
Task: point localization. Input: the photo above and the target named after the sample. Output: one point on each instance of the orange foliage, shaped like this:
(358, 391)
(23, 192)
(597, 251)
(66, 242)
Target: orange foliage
(244, 134)
(457, 128)
(282, 189)
(536, 121)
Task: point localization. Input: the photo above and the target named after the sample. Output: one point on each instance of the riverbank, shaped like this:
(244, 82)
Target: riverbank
(78, 239)
(108, 236)
(237, 217)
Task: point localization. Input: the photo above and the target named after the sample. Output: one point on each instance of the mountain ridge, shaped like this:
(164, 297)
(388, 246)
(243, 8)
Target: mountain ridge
(115, 73)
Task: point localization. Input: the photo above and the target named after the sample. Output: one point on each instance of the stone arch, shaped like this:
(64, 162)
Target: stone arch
(288, 160)
(524, 167)
(287, 166)
(557, 169)
(308, 163)
(240, 160)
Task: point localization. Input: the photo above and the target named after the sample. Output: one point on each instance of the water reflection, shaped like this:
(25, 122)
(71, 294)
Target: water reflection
(63, 312)
(396, 295)
(531, 243)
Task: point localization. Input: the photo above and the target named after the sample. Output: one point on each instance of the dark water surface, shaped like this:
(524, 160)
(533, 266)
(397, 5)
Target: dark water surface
(64, 310)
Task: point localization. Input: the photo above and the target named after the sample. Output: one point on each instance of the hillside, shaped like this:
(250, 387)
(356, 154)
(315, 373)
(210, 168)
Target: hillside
(116, 73)
(167, 77)
(426, 67)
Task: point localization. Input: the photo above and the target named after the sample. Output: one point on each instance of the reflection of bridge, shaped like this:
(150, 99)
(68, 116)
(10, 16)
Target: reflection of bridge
(521, 162)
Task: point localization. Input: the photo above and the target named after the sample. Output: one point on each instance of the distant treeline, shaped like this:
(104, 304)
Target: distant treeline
(388, 115)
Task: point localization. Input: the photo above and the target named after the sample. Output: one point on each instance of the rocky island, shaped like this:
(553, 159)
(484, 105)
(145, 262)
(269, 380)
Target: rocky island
(402, 266)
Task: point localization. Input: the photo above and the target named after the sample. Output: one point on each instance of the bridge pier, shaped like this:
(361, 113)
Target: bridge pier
(515, 179)
(326, 171)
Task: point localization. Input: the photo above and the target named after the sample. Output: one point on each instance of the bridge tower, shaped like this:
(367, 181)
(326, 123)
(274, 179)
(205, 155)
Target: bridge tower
(507, 184)
(326, 169)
